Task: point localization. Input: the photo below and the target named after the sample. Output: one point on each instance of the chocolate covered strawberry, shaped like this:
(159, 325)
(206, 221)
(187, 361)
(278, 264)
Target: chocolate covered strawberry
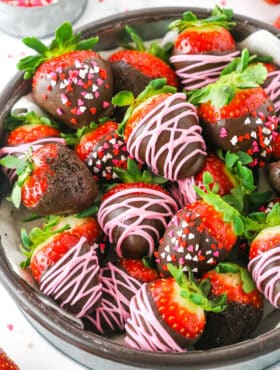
(203, 47)
(162, 130)
(168, 315)
(44, 246)
(6, 363)
(102, 149)
(69, 80)
(200, 235)
(51, 180)
(135, 67)
(120, 282)
(236, 113)
(134, 214)
(28, 128)
(264, 258)
(244, 307)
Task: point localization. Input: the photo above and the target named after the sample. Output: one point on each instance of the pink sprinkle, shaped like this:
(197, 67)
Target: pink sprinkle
(81, 102)
(99, 81)
(116, 146)
(90, 76)
(96, 94)
(106, 146)
(115, 162)
(181, 261)
(223, 132)
(216, 254)
(83, 93)
(105, 104)
(59, 111)
(80, 82)
(10, 327)
(190, 248)
(171, 233)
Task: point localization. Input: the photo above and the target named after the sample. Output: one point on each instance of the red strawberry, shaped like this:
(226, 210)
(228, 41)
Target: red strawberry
(235, 111)
(6, 363)
(220, 174)
(264, 256)
(52, 181)
(70, 81)
(272, 2)
(135, 214)
(30, 127)
(162, 131)
(199, 236)
(121, 281)
(168, 314)
(134, 69)
(276, 147)
(244, 307)
(44, 247)
(203, 47)
(102, 149)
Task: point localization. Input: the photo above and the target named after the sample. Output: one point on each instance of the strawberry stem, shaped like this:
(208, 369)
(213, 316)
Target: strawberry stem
(219, 17)
(30, 118)
(65, 41)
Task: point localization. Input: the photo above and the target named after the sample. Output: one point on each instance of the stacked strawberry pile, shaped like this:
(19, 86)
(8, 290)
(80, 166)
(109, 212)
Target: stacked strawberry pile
(144, 169)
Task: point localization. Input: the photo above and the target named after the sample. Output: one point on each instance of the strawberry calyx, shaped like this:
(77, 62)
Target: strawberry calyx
(36, 236)
(248, 285)
(241, 75)
(74, 138)
(18, 118)
(24, 168)
(195, 291)
(162, 52)
(133, 174)
(126, 98)
(219, 17)
(65, 41)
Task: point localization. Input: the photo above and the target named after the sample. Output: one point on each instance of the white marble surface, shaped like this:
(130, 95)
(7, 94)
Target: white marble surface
(29, 350)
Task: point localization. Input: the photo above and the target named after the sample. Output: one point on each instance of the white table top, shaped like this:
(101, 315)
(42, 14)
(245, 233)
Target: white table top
(28, 349)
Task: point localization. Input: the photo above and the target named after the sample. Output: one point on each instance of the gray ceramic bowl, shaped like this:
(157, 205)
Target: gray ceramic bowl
(39, 21)
(94, 351)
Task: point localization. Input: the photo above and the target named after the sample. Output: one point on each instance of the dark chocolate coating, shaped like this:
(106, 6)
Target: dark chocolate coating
(135, 246)
(107, 153)
(274, 175)
(89, 280)
(185, 244)
(126, 77)
(239, 134)
(70, 190)
(50, 98)
(233, 325)
(193, 164)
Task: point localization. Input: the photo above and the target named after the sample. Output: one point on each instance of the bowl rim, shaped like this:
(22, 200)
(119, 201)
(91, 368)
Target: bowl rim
(29, 301)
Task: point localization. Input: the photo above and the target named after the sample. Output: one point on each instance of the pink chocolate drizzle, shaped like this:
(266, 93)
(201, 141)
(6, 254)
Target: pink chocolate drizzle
(180, 138)
(137, 214)
(265, 269)
(211, 66)
(273, 89)
(114, 309)
(144, 330)
(77, 271)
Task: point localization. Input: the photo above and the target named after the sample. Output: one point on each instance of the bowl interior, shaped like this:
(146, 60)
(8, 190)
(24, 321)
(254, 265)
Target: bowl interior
(151, 24)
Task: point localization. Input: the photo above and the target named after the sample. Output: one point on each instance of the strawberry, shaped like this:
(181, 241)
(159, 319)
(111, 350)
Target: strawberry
(135, 67)
(161, 130)
(235, 111)
(46, 245)
(276, 147)
(244, 307)
(102, 149)
(203, 47)
(69, 80)
(120, 280)
(169, 314)
(135, 214)
(6, 363)
(52, 180)
(272, 2)
(29, 127)
(202, 234)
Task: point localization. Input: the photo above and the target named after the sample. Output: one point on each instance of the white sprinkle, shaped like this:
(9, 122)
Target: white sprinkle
(163, 254)
(247, 121)
(167, 249)
(234, 140)
(188, 256)
(191, 236)
(259, 121)
(253, 134)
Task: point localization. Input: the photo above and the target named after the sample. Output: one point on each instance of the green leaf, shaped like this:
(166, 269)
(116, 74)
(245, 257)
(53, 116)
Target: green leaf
(35, 44)
(16, 195)
(196, 299)
(10, 161)
(244, 157)
(238, 225)
(139, 44)
(64, 34)
(189, 16)
(226, 13)
(123, 98)
(91, 211)
(207, 178)
(248, 285)
(133, 170)
(205, 286)
(273, 218)
(87, 44)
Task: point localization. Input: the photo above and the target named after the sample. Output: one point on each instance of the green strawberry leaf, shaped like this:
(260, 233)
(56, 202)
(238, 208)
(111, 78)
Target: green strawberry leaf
(91, 211)
(273, 217)
(123, 99)
(87, 44)
(10, 161)
(35, 44)
(138, 42)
